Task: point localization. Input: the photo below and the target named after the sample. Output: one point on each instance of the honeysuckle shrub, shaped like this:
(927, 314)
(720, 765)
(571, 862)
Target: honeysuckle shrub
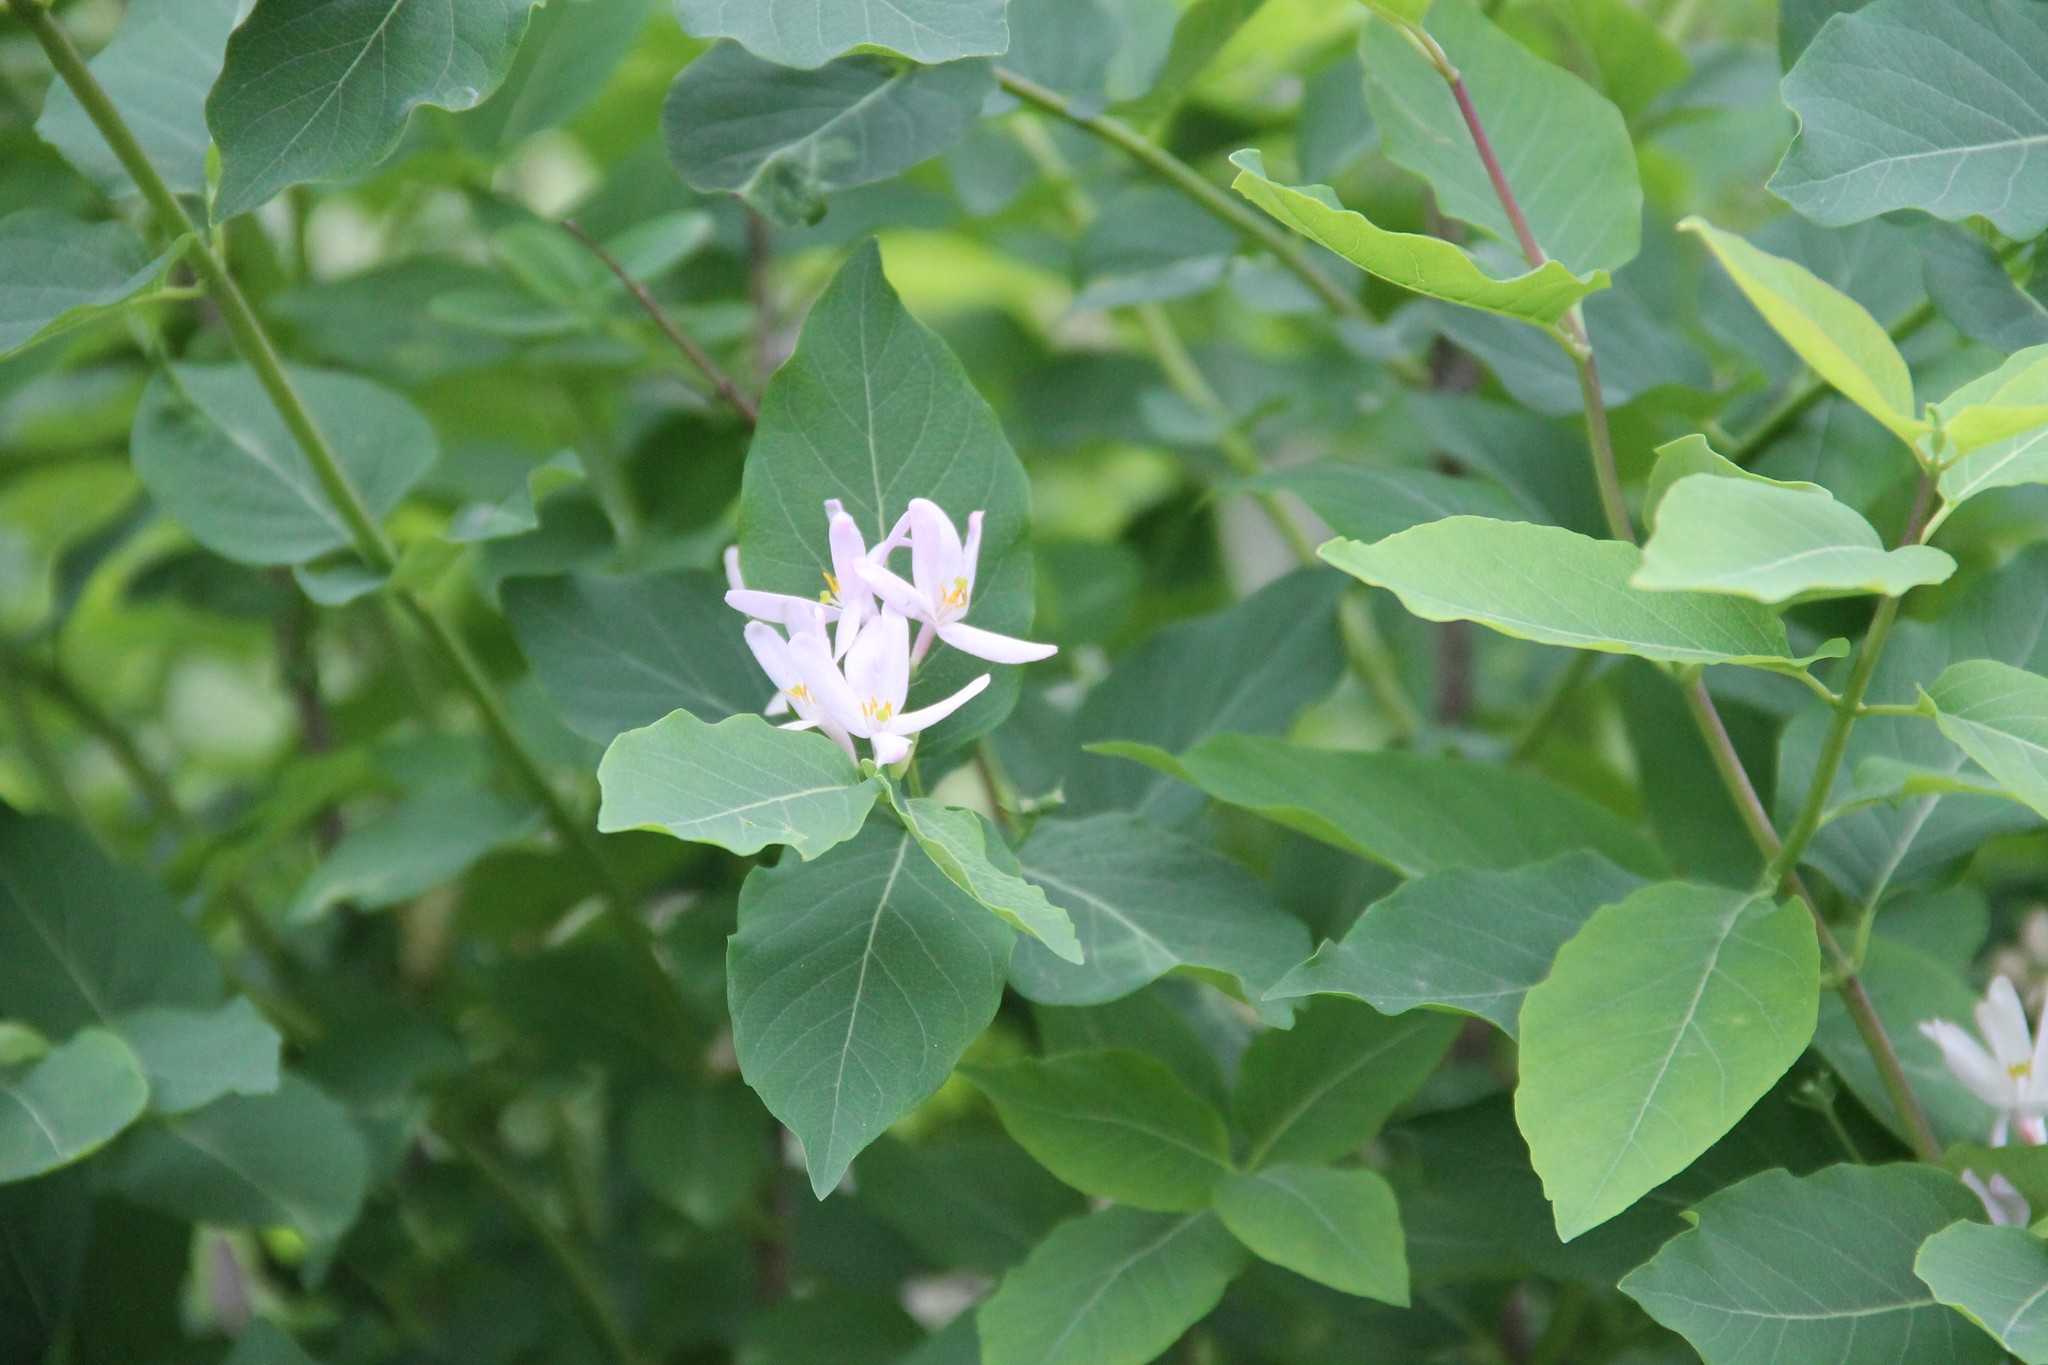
(1023, 682)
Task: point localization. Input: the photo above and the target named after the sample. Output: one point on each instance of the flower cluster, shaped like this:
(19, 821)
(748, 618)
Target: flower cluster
(2008, 1070)
(843, 661)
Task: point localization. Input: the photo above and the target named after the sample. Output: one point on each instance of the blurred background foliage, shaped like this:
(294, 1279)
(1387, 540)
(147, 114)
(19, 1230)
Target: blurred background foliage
(498, 1157)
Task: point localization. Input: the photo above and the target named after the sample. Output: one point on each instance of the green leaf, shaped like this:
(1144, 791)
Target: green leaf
(514, 511)
(976, 1201)
(1906, 986)
(1784, 1268)
(856, 982)
(1970, 286)
(2026, 1168)
(212, 451)
(1114, 1124)
(1369, 503)
(1557, 587)
(425, 841)
(1285, 653)
(157, 68)
(1689, 455)
(1564, 149)
(46, 1227)
(1873, 138)
(809, 33)
(1415, 813)
(741, 784)
(1117, 1287)
(1996, 1277)
(194, 1057)
(292, 1159)
(1322, 1089)
(1775, 544)
(1470, 941)
(874, 410)
(1148, 244)
(784, 139)
(618, 653)
(697, 1148)
(1144, 903)
(569, 52)
(1825, 327)
(2003, 441)
(322, 89)
(957, 842)
(1863, 851)
(263, 1343)
(83, 940)
(1998, 715)
(1664, 1020)
(68, 1105)
(1338, 1227)
(1427, 265)
(57, 272)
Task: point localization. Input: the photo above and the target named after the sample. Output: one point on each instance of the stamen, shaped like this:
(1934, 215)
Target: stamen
(2020, 1071)
(831, 593)
(800, 693)
(955, 595)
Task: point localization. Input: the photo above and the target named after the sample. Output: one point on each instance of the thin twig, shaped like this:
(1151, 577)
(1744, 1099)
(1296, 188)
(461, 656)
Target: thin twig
(1781, 854)
(680, 339)
(1285, 248)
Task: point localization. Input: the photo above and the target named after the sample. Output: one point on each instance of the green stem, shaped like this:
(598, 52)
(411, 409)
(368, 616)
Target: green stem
(594, 1301)
(100, 723)
(1727, 761)
(35, 747)
(1374, 664)
(250, 338)
(1285, 248)
(1552, 707)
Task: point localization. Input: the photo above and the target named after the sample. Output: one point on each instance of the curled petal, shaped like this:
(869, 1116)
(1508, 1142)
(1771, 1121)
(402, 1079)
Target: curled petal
(935, 554)
(998, 649)
(878, 664)
(790, 612)
(2005, 1204)
(1970, 1063)
(889, 749)
(894, 592)
(778, 705)
(732, 568)
(970, 553)
(910, 722)
(2003, 1022)
(771, 651)
(837, 707)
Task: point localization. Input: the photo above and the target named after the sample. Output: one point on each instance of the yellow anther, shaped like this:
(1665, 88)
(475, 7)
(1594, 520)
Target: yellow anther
(877, 712)
(800, 693)
(2020, 1071)
(956, 594)
(831, 593)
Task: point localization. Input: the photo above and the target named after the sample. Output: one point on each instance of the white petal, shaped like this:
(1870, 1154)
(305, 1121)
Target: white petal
(997, 649)
(898, 537)
(970, 553)
(778, 705)
(934, 550)
(732, 568)
(848, 554)
(889, 749)
(864, 659)
(836, 703)
(798, 725)
(2002, 1019)
(892, 683)
(784, 609)
(771, 651)
(910, 722)
(894, 592)
(2005, 1204)
(1970, 1063)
